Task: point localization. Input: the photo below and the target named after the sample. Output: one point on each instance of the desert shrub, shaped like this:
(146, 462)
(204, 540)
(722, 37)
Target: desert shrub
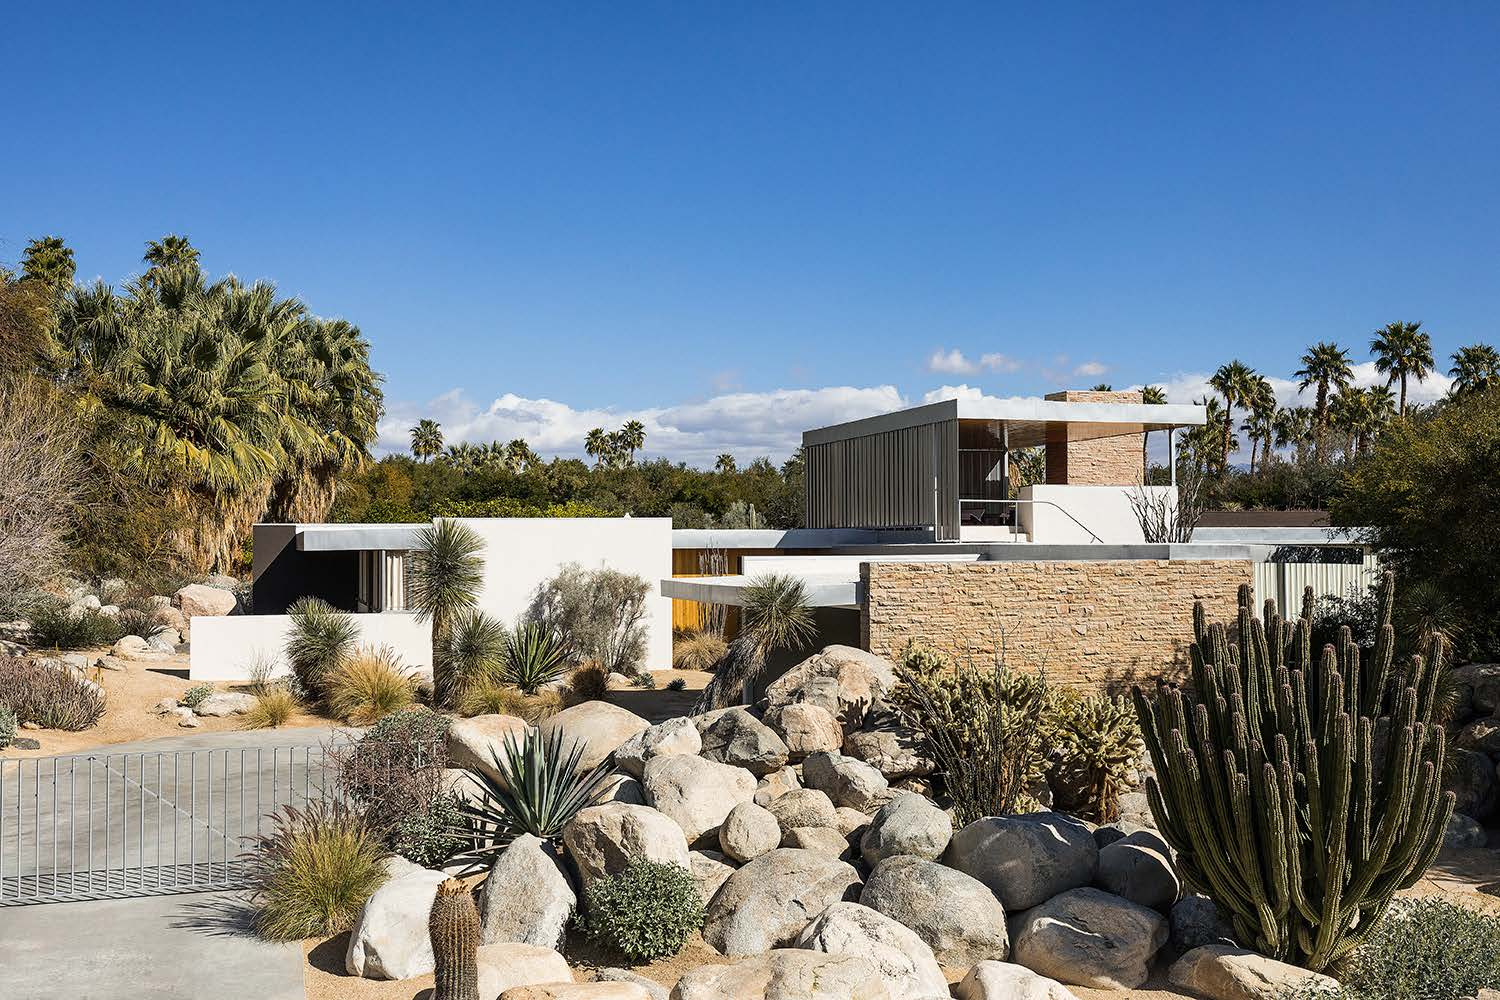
(52, 697)
(587, 683)
(43, 475)
(698, 650)
(598, 614)
(194, 696)
(146, 624)
(369, 685)
(322, 637)
(647, 911)
(986, 727)
(430, 837)
(644, 680)
(314, 871)
(8, 726)
(493, 697)
(273, 708)
(542, 787)
(473, 649)
(535, 657)
(1098, 741)
(677, 684)
(1426, 949)
(56, 625)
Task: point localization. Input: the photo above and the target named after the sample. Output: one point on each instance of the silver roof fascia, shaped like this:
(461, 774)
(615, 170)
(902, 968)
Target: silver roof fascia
(357, 537)
(1151, 416)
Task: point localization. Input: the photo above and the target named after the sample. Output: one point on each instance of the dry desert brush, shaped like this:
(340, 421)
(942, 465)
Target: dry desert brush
(51, 696)
(314, 871)
(369, 685)
(1300, 790)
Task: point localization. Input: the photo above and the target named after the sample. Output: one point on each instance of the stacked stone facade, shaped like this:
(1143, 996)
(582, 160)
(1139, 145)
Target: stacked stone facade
(1108, 461)
(1087, 624)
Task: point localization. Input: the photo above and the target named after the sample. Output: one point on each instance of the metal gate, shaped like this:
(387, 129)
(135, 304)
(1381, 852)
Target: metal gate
(100, 825)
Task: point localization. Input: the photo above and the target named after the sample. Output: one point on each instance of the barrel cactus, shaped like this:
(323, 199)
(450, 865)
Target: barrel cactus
(453, 926)
(1300, 791)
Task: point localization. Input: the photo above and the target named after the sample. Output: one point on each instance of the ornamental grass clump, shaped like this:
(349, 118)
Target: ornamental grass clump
(369, 685)
(1299, 791)
(273, 708)
(645, 912)
(313, 872)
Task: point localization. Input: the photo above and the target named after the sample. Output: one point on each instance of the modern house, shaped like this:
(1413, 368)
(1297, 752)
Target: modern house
(914, 532)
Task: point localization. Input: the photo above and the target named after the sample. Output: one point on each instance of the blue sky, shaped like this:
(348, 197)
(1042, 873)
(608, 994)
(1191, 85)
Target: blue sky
(735, 221)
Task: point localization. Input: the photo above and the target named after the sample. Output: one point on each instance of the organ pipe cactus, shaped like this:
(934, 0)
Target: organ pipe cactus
(453, 926)
(1299, 792)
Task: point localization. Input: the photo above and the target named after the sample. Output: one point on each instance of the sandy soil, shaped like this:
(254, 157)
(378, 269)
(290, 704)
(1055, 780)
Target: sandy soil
(130, 694)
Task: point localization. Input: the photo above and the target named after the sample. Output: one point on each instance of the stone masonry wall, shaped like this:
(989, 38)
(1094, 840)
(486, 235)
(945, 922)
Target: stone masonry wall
(1088, 624)
(1110, 461)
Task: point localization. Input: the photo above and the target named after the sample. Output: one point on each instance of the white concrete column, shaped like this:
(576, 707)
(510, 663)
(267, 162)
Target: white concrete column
(393, 591)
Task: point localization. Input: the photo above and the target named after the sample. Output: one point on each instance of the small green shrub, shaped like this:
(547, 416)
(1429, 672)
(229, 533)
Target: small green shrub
(430, 838)
(146, 624)
(314, 871)
(195, 695)
(647, 911)
(52, 697)
(56, 625)
(644, 680)
(677, 684)
(7, 727)
(1426, 949)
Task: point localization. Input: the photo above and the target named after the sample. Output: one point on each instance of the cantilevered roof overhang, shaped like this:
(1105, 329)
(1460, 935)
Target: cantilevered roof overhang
(357, 537)
(1027, 419)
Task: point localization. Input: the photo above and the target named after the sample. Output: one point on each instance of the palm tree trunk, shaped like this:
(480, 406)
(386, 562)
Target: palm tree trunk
(1403, 394)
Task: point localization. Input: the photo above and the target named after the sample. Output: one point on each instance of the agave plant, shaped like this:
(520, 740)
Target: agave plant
(541, 787)
(535, 658)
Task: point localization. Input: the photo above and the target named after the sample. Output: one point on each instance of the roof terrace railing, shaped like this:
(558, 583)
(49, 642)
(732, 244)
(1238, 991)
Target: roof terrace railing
(1048, 503)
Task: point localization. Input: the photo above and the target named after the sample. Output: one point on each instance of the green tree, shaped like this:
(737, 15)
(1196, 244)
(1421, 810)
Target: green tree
(596, 445)
(724, 464)
(168, 253)
(1260, 423)
(49, 262)
(633, 438)
(1325, 366)
(1475, 368)
(448, 570)
(1154, 395)
(1428, 496)
(1236, 383)
(426, 439)
(1402, 351)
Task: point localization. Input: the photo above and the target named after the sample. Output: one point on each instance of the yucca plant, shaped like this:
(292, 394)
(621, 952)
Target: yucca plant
(541, 788)
(474, 650)
(777, 614)
(321, 638)
(535, 658)
(447, 572)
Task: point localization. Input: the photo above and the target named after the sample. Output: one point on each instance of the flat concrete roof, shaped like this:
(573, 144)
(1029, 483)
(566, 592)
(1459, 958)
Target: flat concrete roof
(1027, 418)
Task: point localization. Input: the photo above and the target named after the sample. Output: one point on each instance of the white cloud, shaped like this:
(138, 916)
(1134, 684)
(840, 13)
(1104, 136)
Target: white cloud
(951, 363)
(743, 423)
(1091, 369)
(999, 363)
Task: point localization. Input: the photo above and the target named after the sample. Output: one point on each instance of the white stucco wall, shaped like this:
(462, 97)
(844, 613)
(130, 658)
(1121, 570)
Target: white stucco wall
(523, 552)
(228, 648)
(520, 554)
(1104, 510)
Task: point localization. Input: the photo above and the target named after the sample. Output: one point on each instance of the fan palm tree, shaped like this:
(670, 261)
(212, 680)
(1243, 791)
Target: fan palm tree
(1475, 368)
(1156, 396)
(596, 445)
(426, 439)
(1259, 425)
(776, 615)
(724, 464)
(447, 572)
(1402, 351)
(1236, 382)
(633, 438)
(169, 252)
(1292, 428)
(519, 457)
(49, 262)
(1326, 366)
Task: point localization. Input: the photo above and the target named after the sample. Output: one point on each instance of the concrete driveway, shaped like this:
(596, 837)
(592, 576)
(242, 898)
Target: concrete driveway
(191, 947)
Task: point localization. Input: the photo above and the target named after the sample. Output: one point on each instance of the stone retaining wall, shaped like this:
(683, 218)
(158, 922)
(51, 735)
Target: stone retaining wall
(1089, 624)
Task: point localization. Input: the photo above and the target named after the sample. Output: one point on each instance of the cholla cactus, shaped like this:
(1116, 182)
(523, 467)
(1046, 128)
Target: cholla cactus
(1299, 793)
(453, 926)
